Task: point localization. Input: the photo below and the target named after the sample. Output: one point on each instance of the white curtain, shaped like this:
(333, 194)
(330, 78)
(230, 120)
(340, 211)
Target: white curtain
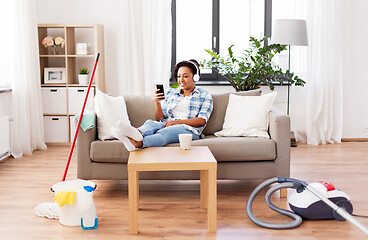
(144, 45)
(316, 110)
(6, 52)
(28, 134)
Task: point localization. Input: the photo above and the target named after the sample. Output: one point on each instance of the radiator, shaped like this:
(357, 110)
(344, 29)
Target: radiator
(4, 137)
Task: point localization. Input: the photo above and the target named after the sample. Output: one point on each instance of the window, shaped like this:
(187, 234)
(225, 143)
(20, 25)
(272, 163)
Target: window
(240, 19)
(193, 28)
(215, 25)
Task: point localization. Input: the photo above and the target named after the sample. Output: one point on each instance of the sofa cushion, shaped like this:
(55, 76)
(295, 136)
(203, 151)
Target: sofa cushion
(109, 152)
(220, 102)
(140, 108)
(224, 149)
(247, 116)
(234, 149)
(109, 111)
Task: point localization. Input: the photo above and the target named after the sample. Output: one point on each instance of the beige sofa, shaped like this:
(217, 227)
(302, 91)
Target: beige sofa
(237, 157)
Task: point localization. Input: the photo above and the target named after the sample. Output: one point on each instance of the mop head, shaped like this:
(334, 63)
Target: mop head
(47, 209)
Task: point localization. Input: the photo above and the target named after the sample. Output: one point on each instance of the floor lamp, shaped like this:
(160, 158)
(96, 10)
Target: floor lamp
(291, 32)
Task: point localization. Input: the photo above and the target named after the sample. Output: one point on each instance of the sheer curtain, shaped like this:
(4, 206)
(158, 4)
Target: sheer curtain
(144, 45)
(28, 132)
(316, 109)
(6, 8)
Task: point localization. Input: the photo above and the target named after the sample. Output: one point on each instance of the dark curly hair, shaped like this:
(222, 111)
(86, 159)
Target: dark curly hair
(189, 64)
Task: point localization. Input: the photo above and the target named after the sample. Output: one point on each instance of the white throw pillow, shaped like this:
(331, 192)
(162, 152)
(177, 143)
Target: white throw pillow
(247, 116)
(109, 111)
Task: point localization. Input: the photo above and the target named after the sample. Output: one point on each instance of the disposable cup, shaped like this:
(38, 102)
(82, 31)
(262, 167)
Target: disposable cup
(185, 140)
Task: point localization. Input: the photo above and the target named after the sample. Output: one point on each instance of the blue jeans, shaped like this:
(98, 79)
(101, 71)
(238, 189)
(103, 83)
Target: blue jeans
(155, 135)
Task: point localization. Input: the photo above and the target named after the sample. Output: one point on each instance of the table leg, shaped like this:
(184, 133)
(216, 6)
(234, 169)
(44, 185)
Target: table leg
(212, 200)
(283, 193)
(204, 189)
(137, 191)
(133, 187)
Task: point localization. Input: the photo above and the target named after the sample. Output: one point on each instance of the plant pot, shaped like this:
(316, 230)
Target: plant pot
(83, 79)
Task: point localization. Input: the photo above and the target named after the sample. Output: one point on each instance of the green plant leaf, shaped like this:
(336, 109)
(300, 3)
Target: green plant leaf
(83, 71)
(175, 85)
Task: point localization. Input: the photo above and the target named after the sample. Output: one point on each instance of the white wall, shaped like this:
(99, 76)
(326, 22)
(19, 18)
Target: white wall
(87, 12)
(5, 104)
(355, 52)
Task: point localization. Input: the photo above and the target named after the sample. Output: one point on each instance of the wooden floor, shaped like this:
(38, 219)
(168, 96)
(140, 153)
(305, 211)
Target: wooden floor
(170, 209)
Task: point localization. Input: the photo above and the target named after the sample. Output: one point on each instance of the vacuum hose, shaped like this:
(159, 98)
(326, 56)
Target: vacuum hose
(284, 183)
(299, 185)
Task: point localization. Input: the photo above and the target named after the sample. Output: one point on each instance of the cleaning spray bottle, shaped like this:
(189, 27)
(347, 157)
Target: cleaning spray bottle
(89, 218)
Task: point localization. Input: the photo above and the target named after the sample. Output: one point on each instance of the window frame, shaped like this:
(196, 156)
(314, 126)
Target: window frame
(215, 78)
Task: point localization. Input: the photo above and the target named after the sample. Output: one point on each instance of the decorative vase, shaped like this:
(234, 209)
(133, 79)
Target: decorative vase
(54, 50)
(83, 79)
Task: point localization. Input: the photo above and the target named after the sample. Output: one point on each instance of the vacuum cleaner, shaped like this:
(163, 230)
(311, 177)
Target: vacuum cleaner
(318, 201)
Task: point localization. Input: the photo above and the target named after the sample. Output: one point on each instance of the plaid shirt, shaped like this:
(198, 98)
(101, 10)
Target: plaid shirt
(200, 105)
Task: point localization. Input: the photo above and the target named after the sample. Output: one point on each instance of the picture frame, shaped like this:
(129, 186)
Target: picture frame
(54, 75)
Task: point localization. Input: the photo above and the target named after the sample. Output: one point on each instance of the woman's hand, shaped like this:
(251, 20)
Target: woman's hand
(194, 122)
(158, 112)
(170, 123)
(159, 96)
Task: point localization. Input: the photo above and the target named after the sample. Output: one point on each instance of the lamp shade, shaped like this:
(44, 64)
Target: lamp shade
(290, 32)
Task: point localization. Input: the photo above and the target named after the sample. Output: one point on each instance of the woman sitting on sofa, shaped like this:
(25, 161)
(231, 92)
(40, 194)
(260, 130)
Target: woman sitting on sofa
(183, 110)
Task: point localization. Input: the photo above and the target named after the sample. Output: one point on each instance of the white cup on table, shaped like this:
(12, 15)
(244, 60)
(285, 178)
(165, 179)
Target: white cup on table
(185, 140)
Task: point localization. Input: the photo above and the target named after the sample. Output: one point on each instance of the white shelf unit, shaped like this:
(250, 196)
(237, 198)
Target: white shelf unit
(63, 100)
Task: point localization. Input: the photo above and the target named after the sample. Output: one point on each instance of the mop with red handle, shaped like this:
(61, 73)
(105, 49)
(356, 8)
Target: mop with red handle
(49, 209)
(80, 119)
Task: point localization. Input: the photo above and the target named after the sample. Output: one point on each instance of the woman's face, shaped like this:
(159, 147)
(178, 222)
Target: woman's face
(185, 78)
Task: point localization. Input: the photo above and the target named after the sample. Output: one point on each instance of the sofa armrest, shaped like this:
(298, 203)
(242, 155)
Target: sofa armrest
(279, 130)
(83, 145)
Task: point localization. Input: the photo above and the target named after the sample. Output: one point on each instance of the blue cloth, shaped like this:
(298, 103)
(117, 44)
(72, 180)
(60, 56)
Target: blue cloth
(88, 120)
(200, 105)
(155, 135)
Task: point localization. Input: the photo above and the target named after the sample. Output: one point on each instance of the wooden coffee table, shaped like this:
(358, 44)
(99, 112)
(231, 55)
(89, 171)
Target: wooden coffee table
(174, 159)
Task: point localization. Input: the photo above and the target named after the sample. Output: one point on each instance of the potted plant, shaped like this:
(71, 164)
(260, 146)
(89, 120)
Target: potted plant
(254, 68)
(83, 76)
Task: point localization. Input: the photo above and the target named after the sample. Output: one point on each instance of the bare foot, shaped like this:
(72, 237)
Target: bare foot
(136, 144)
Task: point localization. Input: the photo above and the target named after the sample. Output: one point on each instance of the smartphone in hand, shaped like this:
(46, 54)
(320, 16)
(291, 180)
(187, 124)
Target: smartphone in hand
(160, 88)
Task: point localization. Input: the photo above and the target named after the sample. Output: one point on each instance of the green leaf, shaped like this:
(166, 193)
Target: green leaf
(213, 54)
(230, 50)
(175, 85)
